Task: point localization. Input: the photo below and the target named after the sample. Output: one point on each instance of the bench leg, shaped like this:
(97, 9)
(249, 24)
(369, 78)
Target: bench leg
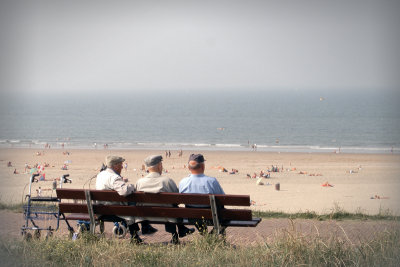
(214, 211)
(90, 211)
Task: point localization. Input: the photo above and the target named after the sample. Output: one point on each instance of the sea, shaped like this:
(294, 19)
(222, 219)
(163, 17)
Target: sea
(338, 121)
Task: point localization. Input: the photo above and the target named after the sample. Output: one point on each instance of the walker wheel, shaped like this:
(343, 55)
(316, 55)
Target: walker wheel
(81, 228)
(36, 234)
(101, 227)
(27, 236)
(119, 231)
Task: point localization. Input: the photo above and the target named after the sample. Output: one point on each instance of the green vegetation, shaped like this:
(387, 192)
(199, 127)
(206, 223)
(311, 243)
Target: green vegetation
(336, 213)
(288, 249)
(15, 207)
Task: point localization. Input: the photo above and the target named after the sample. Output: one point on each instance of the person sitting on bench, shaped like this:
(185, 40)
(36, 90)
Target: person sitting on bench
(110, 179)
(199, 183)
(155, 182)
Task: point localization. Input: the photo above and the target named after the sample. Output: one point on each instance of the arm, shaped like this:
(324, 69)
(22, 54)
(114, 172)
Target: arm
(123, 188)
(217, 188)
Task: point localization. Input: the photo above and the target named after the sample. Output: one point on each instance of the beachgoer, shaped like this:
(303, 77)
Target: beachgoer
(199, 183)
(110, 179)
(155, 182)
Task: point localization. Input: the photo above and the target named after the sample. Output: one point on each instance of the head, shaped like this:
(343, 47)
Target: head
(115, 163)
(154, 163)
(196, 164)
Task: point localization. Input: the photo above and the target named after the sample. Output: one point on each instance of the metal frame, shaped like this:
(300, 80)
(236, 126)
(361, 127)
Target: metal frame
(214, 211)
(90, 211)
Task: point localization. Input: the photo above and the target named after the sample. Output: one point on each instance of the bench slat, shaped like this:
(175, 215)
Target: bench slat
(167, 198)
(151, 211)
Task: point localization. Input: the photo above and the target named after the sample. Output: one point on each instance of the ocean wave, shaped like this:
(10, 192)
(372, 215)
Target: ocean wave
(228, 145)
(202, 145)
(85, 144)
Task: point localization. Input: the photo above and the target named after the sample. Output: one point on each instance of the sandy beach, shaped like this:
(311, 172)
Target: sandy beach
(369, 183)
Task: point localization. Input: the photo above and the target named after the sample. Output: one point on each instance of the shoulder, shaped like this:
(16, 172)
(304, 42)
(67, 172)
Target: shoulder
(210, 178)
(141, 180)
(169, 181)
(164, 178)
(185, 179)
(108, 174)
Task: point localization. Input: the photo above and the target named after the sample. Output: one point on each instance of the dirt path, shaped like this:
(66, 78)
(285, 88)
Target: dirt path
(349, 230)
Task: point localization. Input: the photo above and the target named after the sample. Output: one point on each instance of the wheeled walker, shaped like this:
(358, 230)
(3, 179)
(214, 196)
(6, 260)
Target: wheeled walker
(41, 208)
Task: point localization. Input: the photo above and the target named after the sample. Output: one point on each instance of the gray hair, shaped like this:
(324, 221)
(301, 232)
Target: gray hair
(195, 165)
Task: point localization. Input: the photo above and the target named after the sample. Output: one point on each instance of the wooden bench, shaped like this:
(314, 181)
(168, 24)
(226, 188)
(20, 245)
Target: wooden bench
(221, 212)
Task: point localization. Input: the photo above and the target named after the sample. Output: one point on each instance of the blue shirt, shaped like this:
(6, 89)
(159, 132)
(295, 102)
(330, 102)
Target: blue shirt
(200, 184)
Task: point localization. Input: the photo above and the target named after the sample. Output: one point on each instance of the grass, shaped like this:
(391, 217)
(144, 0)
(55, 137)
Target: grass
(15, 207)
(288, 249)
(337, 213)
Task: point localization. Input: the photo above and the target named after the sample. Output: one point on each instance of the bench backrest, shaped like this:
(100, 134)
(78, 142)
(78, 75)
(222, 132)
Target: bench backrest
(154, 211)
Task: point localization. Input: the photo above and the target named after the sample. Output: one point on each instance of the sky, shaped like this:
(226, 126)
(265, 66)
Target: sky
(135, 46)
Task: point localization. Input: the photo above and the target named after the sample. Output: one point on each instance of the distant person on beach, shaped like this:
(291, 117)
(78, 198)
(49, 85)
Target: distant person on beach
(155, 182)
(110, 179)
(199, 183)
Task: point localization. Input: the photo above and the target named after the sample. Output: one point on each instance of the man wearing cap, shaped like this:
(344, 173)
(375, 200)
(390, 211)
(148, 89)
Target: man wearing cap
(110, 179)
(155, 182)
(199, 183)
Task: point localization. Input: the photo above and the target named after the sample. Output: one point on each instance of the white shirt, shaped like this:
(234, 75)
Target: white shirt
(109, 180)
(156, 183)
